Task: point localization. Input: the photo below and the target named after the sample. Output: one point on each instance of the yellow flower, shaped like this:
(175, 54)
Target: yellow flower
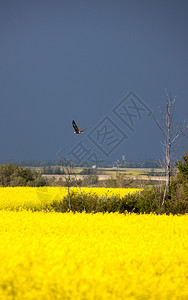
(92, 256)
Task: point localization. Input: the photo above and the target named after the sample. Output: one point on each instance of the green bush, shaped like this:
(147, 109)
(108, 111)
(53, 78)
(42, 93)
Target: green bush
(93, 203)
(90, 180)
(13, 175)
(147, 201)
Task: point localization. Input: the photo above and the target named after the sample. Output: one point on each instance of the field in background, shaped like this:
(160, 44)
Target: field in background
(130, 171)
(112, 171)
(108, 176)
(54, 173)
(92, 256)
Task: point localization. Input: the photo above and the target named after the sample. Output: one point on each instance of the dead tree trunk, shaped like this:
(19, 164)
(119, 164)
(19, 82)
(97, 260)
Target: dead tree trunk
(170, 134)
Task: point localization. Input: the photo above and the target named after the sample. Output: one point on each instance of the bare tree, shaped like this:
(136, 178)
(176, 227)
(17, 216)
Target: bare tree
(170, 133)
(67, 171)
(69, 176)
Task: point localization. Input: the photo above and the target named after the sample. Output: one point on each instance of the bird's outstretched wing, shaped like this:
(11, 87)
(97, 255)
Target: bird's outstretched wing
(75, 126)
(83, 129)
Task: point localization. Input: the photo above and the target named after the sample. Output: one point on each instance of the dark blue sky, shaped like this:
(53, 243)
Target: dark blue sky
(64, 60)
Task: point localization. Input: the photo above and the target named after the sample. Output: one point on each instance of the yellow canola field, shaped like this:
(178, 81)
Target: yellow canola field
(48, 256)
(32, 197)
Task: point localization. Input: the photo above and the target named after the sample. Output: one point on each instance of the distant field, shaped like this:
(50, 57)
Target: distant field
(127, 171)
(111, 171)
(130, 171)
(107, 176)
(152, 174)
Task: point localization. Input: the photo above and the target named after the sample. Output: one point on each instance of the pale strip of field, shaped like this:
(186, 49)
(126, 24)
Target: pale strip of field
(105, 177)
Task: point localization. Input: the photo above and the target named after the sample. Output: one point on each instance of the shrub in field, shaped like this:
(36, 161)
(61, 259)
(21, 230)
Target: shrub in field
(120, 181)
(90, 180)
(182, 178)
(94, 203)
(146, 201)
(183, 168)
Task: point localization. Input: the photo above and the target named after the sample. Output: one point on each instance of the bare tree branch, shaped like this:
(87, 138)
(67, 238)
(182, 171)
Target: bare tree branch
(69, 173)
(159, 125)
(183, 133)
(171, 134)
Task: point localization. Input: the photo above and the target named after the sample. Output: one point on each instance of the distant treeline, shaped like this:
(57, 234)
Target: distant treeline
(101, 164)
(31, 163)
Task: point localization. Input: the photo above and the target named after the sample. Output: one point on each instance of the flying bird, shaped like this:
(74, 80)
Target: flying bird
(77, 131)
